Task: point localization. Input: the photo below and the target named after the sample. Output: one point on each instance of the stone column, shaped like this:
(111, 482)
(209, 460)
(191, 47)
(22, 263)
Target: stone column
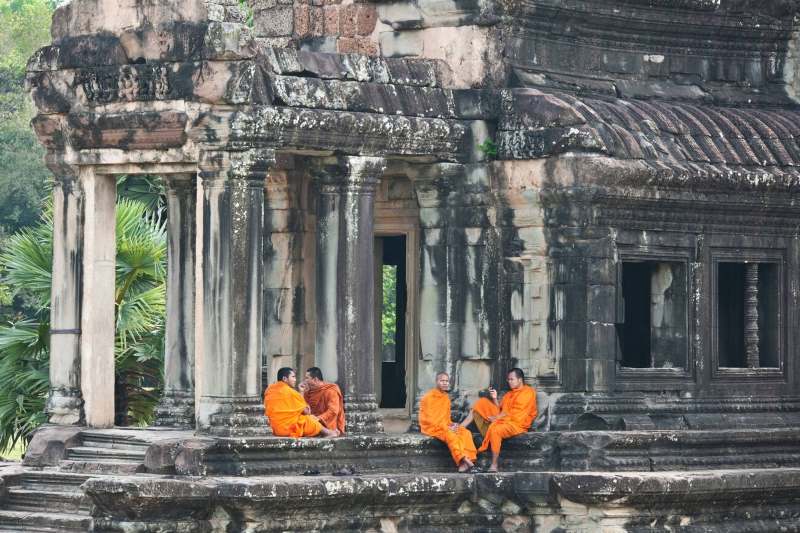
(345, 292)
(751, 315)
(98, 299)
(176, 408)
(232, 301)
(64, 401)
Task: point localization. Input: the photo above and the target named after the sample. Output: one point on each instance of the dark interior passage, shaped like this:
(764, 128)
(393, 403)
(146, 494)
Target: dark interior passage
(634, 332)
(393, 366)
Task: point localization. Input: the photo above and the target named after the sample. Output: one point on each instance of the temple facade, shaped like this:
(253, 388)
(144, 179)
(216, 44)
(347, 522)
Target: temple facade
(603, 193)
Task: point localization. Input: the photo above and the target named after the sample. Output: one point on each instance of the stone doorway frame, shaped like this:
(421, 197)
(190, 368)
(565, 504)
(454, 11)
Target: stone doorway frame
(410, 230)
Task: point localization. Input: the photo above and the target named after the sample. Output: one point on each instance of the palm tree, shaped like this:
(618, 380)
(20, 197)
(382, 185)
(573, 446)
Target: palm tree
(140, 307)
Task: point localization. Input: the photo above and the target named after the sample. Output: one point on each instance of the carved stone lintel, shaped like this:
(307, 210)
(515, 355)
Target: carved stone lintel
(751, 315)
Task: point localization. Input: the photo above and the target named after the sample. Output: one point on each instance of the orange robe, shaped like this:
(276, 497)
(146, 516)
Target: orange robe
(486, 408)
(284, 408)
(327, 404)
(520, 408)
(434, 420)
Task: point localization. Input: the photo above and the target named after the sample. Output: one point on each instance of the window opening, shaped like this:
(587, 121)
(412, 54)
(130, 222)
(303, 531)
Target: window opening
(653, 331)
(748, 315)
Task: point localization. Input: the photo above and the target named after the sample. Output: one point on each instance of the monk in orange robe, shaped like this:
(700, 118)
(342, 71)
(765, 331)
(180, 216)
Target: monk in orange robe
(324, 399)
(434, 420)
(287, 411)
(506, 419)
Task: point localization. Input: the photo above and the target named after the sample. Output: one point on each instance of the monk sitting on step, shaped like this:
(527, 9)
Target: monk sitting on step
(287, 411)
(324, 399)
(498, 421)
(434, 420)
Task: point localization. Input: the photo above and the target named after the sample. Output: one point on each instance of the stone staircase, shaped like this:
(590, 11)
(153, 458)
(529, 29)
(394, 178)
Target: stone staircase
(104, 453)
(51, 499)
(45, 500)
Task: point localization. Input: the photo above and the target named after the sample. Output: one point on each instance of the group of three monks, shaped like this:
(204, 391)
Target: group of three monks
(319, 411)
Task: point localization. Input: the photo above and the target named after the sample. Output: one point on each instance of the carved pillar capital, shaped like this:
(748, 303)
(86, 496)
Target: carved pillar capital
(352, 173)
(251, 165)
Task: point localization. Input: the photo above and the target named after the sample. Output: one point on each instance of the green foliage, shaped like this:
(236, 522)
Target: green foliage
(248, 13)
(489, 148)
(24, 28)
(140, 307)
(389, 307)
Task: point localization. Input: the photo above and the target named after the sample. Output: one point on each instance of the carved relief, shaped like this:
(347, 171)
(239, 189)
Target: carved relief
(127, 83)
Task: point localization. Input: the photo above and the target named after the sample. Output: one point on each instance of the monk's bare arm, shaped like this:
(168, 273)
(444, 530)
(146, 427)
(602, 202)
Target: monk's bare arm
(467, 421)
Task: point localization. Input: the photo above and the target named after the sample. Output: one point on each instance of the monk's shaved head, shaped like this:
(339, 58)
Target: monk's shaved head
(285, 372)
(438, 374)
(314, 373)
(517, 372)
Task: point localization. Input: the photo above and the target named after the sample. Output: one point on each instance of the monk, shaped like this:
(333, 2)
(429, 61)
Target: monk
(287, 411)
(324, 399)
(498, 421)
(434, 420)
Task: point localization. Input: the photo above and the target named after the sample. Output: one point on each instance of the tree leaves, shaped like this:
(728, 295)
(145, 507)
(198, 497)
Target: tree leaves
(139, 344)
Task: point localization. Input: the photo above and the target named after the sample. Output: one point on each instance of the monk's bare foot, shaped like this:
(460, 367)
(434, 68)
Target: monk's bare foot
(330, 433)
(493, 468)
(469, 463)
(462, 467)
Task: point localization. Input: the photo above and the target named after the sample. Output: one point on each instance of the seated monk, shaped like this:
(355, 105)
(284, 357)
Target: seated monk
(324, 399)
(287, 411)
(434, 420)
(498, 421)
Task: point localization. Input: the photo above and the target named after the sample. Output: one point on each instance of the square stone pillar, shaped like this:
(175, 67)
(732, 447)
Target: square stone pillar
(232, 303)
(345, 291)
(64, 401)
(98, 312)
(176, 408)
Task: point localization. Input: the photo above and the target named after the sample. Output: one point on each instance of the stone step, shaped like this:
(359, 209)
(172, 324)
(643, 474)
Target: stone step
(105, 454)
(51, 481)
(43, 521)
(54, 501)
(97, 467)
(114, 441)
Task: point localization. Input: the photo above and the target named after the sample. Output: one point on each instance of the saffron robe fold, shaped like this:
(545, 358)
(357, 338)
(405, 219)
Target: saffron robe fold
(519, 406)
(284, 408)
(327, 404)
(435, 421)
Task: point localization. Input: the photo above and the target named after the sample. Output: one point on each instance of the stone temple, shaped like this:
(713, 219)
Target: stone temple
(601, 192)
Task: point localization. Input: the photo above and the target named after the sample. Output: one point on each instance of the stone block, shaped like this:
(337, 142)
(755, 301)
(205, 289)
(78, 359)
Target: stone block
(331, 20)
(400, 44)
(400, 15)
(366, 18)
(602, 304)
(278, 22)
(302, 20)
(357, 45)
(317, 22)
(49, 445)
(348, 15)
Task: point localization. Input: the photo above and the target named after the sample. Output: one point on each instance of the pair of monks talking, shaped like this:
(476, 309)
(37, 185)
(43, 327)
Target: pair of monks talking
(496, 420)
(319, 411)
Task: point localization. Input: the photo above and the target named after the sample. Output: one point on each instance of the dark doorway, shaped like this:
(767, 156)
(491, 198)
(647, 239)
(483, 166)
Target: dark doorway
(393, 322)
